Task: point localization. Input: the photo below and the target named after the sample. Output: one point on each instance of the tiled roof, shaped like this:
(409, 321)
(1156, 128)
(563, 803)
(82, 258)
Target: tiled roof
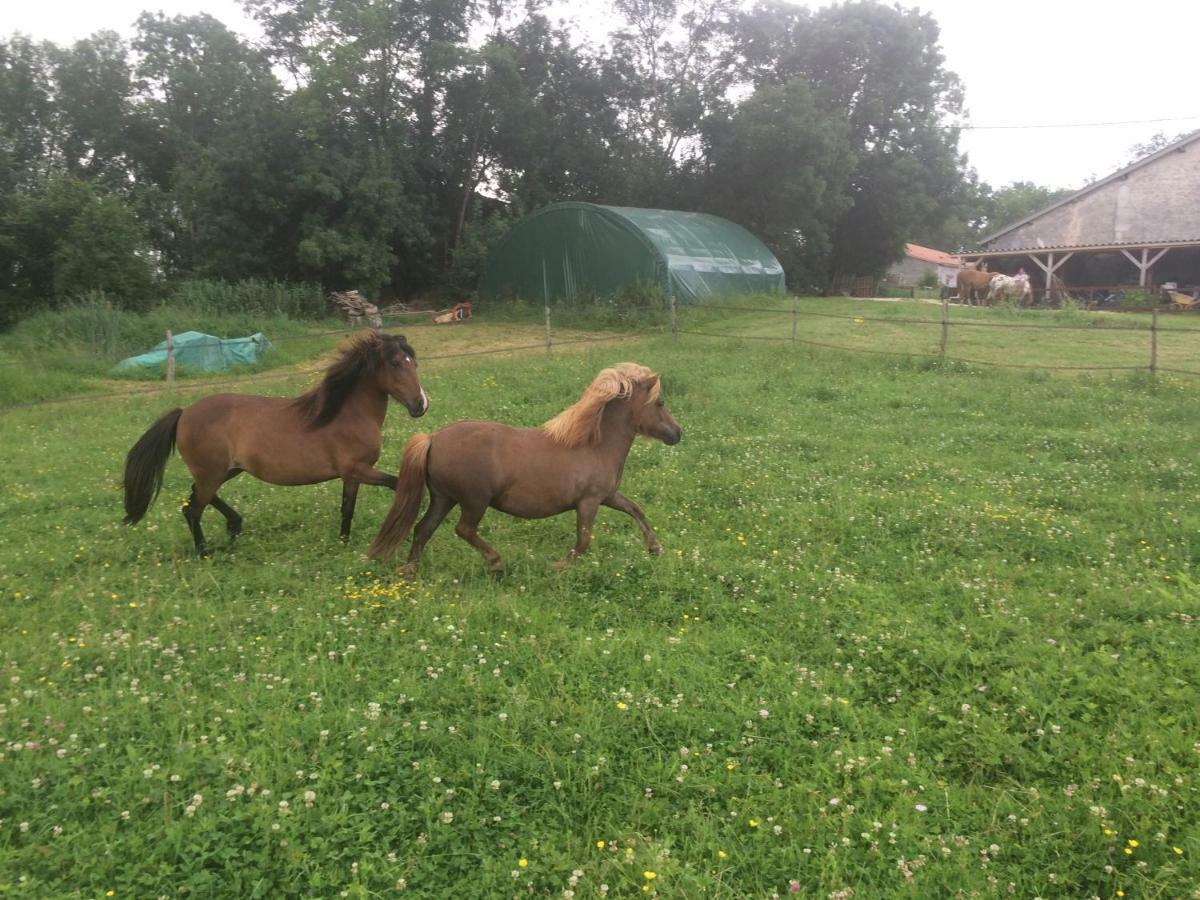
(1108, 245)
(927, 254)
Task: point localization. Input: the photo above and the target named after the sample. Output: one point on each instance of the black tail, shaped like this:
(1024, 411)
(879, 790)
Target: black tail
(144, 465)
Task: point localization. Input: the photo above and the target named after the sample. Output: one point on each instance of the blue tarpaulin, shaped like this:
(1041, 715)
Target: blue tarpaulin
(201, 352)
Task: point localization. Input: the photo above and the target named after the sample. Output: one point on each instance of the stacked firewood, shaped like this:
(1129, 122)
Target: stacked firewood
(356, 309)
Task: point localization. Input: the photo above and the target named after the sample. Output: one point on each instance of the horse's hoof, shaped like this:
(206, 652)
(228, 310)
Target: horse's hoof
(408, 572)
(497, 573)
(234, 531)
(203, 553)
(655, 549)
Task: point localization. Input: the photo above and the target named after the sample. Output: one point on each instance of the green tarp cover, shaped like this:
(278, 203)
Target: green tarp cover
(569, 250)
(201, 352)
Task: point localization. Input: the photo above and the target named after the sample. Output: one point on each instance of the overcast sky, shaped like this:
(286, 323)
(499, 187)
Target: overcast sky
(1023, 62)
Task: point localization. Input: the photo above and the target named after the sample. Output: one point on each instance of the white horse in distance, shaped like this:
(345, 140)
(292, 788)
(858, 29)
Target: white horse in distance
(1001, 287)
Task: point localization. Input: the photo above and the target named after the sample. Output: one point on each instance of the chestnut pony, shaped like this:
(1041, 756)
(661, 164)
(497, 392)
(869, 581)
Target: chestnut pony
(973, 281)
(332, 431)
(574, 461)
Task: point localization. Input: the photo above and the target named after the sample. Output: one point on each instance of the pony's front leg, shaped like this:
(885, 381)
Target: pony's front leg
(360, 474)
(585, 518)
(625, 505)
(349, 499)
(367, 474)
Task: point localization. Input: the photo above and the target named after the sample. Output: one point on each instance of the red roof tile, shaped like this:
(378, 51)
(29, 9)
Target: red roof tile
(926, 254)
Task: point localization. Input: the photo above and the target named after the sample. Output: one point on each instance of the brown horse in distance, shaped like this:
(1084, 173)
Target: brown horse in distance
(973, 281)
(574, 461)
(334, 430)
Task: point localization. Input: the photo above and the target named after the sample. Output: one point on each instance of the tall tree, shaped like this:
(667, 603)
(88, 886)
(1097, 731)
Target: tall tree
(201, 88)
(1014, 202)
(26, 109)
(93, 87)
(880, 69)
(779, 166)
(670, 66)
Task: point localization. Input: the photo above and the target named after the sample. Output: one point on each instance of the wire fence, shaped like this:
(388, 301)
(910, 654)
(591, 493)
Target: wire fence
(1098, 327)
(548, 341)
(208, 384)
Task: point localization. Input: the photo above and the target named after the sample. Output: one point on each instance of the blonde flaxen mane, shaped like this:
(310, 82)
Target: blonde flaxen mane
(579, 423)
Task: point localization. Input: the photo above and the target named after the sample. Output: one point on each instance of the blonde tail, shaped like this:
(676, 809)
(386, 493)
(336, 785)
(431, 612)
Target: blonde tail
(410, 491)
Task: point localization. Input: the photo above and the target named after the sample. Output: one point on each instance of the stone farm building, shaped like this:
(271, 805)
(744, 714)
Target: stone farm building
(1139, 226)
(919, 262)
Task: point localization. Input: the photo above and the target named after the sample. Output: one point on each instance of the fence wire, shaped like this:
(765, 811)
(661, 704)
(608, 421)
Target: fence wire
(917, 354)
(548, 343)
(954, 323)
(208, 384)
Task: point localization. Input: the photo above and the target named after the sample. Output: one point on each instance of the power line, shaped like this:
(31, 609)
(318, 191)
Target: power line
(1037, 125)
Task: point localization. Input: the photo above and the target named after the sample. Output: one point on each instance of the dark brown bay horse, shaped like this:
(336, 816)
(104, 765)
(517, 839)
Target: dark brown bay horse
(574, 461)
(332, 431)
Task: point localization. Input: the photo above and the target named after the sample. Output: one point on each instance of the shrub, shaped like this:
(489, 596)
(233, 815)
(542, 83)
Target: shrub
(296, 300)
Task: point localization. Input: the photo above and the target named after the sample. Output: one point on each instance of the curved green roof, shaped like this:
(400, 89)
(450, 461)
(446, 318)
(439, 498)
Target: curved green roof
(568, 250)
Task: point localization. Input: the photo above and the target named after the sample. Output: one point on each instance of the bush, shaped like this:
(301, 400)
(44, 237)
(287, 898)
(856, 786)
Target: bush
(296, 300)
(89, 335)
(63, 238)
(639, 306)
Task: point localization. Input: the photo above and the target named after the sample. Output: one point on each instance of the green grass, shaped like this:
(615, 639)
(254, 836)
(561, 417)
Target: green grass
(71, 352)
(995, 336)
(918, 629)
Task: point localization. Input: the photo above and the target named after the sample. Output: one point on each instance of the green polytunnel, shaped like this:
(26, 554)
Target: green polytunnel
(571, 250)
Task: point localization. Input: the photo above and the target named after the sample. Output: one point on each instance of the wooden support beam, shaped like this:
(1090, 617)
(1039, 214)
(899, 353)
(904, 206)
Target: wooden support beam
(1129, 256)
(1053, 265)
(1143, 265)
(1050, 266)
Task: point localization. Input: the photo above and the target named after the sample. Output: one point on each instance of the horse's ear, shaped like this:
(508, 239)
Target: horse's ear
(650, 382)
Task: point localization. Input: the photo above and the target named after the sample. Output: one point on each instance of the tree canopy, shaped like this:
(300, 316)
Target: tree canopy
(384, 146)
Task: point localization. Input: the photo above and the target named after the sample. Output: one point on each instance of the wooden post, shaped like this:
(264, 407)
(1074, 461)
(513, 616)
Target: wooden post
(547, 329)
(795, 316)
(1154, 337)
(170, 356)
(674, 321)
(945, 323)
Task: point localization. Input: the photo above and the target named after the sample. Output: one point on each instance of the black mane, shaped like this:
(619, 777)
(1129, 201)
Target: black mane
(320, 405)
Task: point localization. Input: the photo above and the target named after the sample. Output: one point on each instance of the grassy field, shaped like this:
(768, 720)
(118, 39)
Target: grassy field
(35, 367)
(918, 629)
(998, 336)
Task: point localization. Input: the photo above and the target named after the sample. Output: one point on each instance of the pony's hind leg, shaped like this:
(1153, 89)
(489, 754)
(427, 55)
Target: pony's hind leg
(204, 492)
(233, 519)
(466, 529)
(192, 510)
(439, 506)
